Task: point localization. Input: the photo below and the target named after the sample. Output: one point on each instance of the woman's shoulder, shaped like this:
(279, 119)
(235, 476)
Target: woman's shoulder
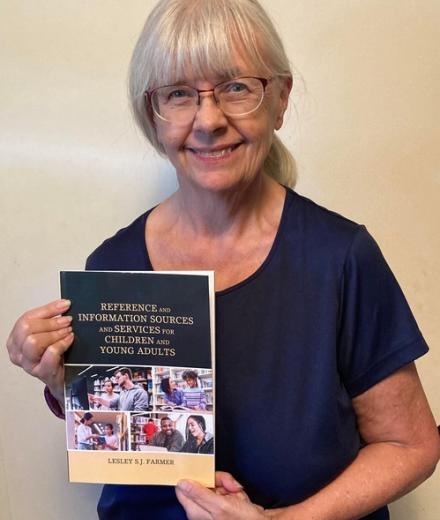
(319, 228)
(208, 444)
(209, 437)
(125, 250)
(315, 215)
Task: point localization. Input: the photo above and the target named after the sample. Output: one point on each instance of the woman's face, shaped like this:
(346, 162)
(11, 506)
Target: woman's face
(194, 428)
(108, 387)
(173, 384)
(108, 431)
(215, 152)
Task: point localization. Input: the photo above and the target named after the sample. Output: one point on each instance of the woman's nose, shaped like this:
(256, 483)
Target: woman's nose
(209, 116)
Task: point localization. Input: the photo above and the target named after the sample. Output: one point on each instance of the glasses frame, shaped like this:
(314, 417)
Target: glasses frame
(264, 81)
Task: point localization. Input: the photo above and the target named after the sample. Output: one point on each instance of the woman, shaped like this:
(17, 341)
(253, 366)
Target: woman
(303, 294)
(198, 440)
(84, 435)
(172, 394)
(109, 394)
(111, 442)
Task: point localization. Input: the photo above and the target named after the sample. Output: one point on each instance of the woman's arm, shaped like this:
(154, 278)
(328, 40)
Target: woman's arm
(100, 400)
(403, 448)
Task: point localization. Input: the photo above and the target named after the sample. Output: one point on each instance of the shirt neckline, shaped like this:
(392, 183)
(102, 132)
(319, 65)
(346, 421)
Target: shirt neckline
(288, 200)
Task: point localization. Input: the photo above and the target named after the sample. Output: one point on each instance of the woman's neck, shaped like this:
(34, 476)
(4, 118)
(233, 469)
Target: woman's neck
(231, 234)
(212, 214)
(199, 438)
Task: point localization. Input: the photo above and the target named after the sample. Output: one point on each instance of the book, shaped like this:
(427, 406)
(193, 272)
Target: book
(139, 377)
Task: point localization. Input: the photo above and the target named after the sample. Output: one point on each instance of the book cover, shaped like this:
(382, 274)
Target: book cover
(139, 377)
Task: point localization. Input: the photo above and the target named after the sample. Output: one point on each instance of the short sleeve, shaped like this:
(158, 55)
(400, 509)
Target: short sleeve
(378, 333)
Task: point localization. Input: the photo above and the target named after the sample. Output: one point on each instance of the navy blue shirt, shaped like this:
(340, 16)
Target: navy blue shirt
(321, 321)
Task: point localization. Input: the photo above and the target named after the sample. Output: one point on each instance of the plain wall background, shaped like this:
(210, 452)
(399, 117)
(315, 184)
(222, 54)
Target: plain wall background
(365, 135)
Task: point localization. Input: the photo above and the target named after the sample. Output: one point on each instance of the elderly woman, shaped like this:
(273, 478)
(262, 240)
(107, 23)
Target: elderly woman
(304, 295)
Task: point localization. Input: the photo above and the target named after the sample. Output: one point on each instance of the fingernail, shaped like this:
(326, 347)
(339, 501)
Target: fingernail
(64, 320)
(184, 486)
(238, 484)
(62, 304)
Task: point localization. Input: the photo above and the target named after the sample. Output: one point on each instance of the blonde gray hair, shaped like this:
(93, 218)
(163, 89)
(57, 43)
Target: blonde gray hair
(206, 36)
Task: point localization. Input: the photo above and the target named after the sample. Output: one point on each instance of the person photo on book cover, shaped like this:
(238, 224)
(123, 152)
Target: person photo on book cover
(194, 396)
(198, 440)
(173, 395)
(85, 438)
(109, 395)
(149, 429)
(111, 442)
(304, 297)
(168, 437)
(131, 397)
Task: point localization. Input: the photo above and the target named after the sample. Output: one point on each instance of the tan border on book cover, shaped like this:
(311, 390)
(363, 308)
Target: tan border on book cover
(140, 468)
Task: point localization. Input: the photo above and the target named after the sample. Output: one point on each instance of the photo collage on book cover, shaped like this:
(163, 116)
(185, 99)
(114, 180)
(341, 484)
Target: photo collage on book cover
(138, 408)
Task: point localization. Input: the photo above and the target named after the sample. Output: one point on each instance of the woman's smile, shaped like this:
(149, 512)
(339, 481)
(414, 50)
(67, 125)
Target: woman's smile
(216, 154)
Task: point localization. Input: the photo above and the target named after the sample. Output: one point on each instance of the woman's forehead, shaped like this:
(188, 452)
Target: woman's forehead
(212, 72)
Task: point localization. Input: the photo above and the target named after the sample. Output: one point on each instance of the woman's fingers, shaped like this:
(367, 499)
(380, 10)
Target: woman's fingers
(45, 362)
(30, 323)
(50, 368)
(38, 341)
(52, 360)
(35, 345)
(49, 310)
(200, 502)
(227, 481)
(44, 319)
(38, 325)
(193, 511)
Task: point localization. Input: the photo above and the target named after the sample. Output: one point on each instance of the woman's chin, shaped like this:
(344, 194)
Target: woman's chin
(215, 181)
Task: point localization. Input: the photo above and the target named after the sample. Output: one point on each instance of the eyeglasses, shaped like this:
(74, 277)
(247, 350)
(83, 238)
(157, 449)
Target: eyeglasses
(236, 97)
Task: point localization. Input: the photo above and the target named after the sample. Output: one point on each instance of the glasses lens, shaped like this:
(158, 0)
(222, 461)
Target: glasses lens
(175, 103)
(179, 103)
(240, 96)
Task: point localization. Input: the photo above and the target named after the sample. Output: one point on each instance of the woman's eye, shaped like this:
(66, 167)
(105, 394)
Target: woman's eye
(178, 94)
(236, 88)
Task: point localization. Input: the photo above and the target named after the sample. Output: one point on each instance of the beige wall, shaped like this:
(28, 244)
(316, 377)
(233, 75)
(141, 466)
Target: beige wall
(365, 136)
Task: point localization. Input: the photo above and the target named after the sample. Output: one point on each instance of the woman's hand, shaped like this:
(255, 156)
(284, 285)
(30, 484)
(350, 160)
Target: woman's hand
(38, 341)
(227, 501)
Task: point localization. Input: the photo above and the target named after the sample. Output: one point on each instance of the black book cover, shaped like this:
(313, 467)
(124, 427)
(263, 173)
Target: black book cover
(141, 318)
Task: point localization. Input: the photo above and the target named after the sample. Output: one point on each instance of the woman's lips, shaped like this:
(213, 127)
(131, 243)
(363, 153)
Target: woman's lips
(214, 153)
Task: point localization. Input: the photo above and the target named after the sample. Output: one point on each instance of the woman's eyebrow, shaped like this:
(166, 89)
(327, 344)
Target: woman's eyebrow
(230, 73)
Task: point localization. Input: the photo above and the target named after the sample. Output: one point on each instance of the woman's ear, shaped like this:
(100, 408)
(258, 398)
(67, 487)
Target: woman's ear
(285, 85)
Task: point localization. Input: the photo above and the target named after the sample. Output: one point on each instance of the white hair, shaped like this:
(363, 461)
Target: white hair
(206, 36)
